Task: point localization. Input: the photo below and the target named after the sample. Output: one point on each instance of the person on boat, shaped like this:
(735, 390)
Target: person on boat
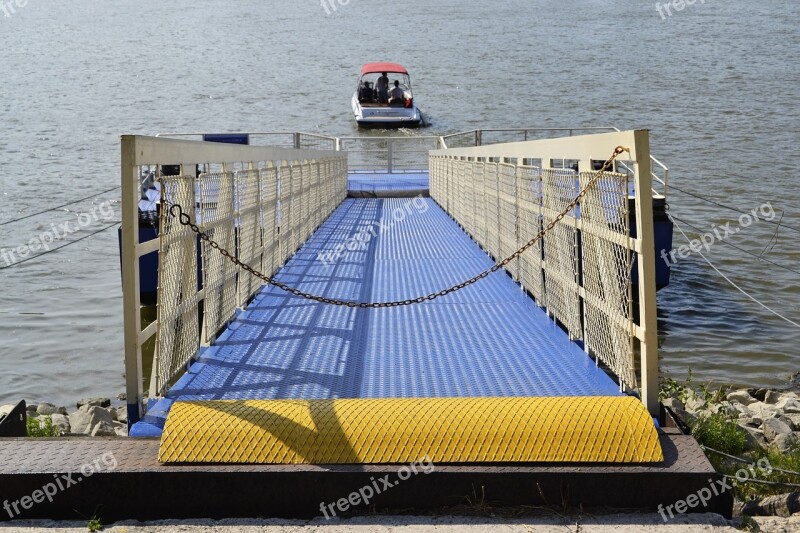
(382, 88)
(365, 94)
(397, 94)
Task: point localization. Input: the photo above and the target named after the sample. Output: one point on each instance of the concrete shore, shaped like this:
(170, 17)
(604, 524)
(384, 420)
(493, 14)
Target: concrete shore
(612, 523)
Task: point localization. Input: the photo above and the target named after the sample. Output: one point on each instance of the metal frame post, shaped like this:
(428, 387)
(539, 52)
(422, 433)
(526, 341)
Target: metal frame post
(647, 273)
(131, 303)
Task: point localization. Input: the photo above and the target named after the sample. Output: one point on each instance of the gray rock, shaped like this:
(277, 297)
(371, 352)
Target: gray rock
(61, 410)
(80, 420)
(795, 418)
(762, 409)
(94, 402)
(87, 417)
(785, 443)
(754, 438)
(741, 396)
(782, 505)
(121, 396)
(5, 409)
(122, 414)
(112, 413)
(45, 408)
(788, 405)
(758, 394)
(730, 409)
(695, 405)
(31, 407)
(121, 429)
(772, 427)
(785, 419)
(674, 404)
(104, 429)
(741, 410)
(746, 421)
(772, 397)
(61, 422)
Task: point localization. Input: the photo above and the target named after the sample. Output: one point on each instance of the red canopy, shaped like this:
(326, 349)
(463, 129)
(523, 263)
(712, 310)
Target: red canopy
(370, 68)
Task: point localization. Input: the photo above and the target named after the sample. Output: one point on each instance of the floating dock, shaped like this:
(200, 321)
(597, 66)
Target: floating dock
(521, 388)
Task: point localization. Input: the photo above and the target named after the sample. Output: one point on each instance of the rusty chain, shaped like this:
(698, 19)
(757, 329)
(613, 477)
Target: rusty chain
(185, 220)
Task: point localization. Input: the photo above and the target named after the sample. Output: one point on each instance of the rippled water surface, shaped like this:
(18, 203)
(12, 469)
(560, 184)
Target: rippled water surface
(716, 83)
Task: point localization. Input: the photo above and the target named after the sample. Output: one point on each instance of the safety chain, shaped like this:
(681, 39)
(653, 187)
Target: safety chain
(185, 220)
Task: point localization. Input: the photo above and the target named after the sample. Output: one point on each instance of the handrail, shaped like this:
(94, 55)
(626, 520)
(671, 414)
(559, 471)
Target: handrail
(496, 195)
(322, 174)
(441, 140)
(525, 130)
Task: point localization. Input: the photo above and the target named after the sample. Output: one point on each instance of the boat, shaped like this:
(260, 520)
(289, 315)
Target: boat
(374, 105)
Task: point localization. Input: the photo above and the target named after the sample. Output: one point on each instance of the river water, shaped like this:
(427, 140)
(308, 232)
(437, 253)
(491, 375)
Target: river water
(717, 83)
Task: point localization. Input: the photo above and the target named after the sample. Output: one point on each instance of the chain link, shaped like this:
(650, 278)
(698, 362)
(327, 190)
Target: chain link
(186, 220)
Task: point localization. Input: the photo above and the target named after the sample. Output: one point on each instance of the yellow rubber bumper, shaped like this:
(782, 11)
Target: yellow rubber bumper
(402, 430)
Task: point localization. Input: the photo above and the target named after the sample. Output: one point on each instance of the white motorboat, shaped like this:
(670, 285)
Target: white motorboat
(383, 97)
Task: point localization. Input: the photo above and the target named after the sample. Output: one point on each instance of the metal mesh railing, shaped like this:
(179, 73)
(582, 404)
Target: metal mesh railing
(606, 262)
(248, 212)
(388, 154)
(529, 220)
(216, 214)
(268, 218)
(465, 139)
(580, 270)
(261, 214)
(177, 285)
(559, 187)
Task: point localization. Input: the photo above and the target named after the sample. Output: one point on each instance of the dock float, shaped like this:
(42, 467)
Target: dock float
(140, 487)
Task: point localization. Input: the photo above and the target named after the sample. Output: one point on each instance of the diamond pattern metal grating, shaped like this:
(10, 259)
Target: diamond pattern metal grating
(443, 430)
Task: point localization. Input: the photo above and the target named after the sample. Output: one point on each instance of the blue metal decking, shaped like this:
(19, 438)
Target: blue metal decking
(489, 339)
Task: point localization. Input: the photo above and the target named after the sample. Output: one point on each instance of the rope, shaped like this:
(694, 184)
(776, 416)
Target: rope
(186, 220)
(60, 247)
(759, 257)
(718, 204)
(763, 482)
(746, 461)
(58, 207)
(735, 285)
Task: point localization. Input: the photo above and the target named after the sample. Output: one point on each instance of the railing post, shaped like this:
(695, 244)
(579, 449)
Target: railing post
(296, 136)
(478, 137)
(389, 155)
(131, 305)
(647, 273)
